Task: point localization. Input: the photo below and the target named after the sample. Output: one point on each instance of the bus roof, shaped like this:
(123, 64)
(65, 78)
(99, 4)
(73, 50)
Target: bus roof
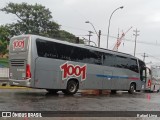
(34, 37)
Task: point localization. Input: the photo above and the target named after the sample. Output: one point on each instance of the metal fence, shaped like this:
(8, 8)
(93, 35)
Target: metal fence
(4, 72)
(4, 75)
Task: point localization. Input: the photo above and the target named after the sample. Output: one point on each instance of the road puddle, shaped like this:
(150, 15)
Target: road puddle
(95, 92)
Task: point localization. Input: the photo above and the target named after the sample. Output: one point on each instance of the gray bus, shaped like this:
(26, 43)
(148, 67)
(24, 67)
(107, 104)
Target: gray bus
(54, 65)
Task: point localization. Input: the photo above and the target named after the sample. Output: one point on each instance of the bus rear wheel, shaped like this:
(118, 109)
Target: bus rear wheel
(52, 91)
(72, 88)
(132, 88)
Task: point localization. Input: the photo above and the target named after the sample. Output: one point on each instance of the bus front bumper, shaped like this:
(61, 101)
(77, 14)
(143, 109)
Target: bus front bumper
(22, 83)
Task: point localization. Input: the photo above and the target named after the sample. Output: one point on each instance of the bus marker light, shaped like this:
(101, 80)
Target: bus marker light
(149, 83)
(28, 72)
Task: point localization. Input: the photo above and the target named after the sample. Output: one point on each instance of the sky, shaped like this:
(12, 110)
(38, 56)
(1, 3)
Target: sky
(143, 15)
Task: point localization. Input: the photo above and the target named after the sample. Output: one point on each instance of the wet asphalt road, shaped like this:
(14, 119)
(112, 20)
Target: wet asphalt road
(40, 100)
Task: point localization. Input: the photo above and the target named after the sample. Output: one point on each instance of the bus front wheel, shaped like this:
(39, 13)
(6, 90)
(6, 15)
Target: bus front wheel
(132, 88)
(72, 87)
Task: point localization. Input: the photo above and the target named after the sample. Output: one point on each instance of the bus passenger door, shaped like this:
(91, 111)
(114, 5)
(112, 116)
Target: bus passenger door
(107, 80)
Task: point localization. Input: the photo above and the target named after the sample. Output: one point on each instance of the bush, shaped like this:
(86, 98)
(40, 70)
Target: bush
(4, 62)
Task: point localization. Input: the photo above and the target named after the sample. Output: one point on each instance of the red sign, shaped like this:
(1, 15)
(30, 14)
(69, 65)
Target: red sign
(69, 70)
(18, 44)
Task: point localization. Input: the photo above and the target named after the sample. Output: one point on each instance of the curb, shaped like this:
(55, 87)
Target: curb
(5, 85)
(13, 87)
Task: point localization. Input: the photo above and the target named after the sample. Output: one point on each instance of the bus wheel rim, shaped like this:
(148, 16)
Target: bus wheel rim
(72, 88)
(132, 87)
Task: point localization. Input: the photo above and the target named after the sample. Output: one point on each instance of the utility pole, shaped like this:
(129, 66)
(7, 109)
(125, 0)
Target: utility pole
(144, 56)
(99, 36)
(89, 36)
(135, 34)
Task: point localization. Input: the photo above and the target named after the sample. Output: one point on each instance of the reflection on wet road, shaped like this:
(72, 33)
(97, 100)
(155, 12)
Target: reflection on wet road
(40, 100)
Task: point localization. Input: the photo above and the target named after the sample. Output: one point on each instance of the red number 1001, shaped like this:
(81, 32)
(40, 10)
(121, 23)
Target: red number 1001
(69, 70)
(18, 44)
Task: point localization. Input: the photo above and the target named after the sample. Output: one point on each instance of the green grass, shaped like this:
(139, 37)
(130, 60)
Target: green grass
(4, 62)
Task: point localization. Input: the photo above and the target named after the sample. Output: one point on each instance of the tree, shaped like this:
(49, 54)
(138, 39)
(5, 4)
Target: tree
(4, 33)
(35, 19)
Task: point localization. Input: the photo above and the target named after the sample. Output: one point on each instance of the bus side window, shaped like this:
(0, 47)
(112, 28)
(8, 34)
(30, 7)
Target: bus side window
(97, 58)
(109, 60)
(133, 65)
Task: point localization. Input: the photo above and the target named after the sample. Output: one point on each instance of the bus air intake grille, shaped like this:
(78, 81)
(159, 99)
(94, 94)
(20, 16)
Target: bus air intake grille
(17, 62)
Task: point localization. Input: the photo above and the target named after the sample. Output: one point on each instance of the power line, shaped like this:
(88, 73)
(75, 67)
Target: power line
(124, 39)
(153, 57)
(90, 32)
(131, 40)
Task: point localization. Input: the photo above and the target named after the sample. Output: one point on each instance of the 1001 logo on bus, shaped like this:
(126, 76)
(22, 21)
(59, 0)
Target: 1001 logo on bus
(18, 44)
(69, 70)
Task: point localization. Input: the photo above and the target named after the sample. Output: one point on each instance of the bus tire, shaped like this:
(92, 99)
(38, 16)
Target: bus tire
(132, 88)
(72, 87)
(52, 91)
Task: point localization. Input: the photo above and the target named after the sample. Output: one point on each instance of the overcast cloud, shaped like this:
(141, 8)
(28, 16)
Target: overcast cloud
(72, 14)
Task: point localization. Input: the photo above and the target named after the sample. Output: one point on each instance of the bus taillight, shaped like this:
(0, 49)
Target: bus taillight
(28, 71)
(149, 83)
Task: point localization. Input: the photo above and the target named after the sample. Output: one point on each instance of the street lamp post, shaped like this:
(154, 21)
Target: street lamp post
(95, 32)
(109, 23)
